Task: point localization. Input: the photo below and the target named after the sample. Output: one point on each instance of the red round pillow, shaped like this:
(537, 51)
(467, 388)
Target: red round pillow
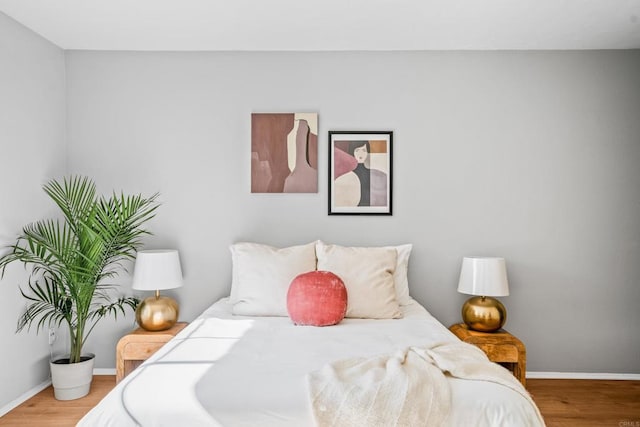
(317, 298)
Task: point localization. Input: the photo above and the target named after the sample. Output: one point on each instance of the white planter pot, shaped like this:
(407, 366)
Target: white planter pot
(72, 380)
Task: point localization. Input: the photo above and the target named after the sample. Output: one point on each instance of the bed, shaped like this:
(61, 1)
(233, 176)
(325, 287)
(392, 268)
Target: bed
(252, 370)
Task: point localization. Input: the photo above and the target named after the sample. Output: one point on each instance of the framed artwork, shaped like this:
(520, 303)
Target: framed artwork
(284, 153)
(360, 173)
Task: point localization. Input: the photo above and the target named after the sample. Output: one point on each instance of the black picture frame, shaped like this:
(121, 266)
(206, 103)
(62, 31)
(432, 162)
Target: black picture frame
(360, 173)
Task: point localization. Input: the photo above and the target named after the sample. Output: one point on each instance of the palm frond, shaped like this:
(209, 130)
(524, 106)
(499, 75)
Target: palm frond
(48, 305)
(115, 307)
(75, 196)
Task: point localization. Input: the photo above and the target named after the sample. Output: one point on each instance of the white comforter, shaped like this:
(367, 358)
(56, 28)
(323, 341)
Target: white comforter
(245, 371)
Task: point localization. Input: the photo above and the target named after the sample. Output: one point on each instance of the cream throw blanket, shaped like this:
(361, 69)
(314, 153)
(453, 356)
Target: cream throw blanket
(407, 388)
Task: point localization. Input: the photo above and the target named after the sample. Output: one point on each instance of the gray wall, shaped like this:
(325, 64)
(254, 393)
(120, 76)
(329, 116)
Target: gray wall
(528, 155)
(32, 149)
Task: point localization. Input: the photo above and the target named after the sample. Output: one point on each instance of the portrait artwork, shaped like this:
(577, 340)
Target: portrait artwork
(360, 173)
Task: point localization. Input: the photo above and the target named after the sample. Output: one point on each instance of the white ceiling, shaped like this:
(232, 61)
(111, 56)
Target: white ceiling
(331, 24)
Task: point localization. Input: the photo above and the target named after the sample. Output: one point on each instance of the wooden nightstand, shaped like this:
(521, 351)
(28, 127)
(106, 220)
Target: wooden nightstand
(500, 347)
(136, 347)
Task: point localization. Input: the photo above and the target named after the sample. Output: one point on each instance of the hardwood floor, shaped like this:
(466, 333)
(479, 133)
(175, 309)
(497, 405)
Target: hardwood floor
(562, 403)
(44, 410)
(587, 402)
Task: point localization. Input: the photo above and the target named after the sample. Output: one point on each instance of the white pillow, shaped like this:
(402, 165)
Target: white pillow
(367, 274)
(400, 276)
(262, 275)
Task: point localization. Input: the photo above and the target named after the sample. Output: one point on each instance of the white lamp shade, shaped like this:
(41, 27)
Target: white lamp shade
(484, 276)
(157, 270)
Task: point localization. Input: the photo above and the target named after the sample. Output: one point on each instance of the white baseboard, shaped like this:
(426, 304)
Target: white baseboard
(104, 371)
(581, 376)
(24, 397)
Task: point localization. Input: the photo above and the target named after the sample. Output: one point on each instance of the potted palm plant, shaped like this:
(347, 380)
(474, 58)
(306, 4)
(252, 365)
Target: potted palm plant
(72, 261)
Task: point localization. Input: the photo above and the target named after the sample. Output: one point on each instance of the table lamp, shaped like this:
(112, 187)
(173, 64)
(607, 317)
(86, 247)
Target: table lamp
(156, 270)
(485, 277)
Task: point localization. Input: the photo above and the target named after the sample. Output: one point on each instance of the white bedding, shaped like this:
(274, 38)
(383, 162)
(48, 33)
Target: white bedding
(251, 371)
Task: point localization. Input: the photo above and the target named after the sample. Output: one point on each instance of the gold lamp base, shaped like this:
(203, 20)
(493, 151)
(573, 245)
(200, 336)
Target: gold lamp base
(484, 314)
(157, 313)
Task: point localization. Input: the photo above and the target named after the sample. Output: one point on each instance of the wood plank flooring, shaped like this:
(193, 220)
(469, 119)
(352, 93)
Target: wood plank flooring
(587, 403)
(562, 403)
(44, 410)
